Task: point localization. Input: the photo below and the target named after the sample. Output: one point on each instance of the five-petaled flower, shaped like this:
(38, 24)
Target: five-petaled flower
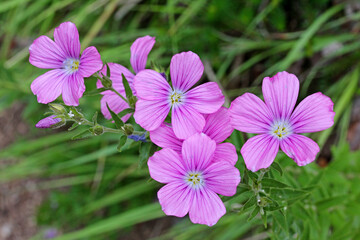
(217, 127)
(193, 179)
(156, 97)
(140, 50)
(277, 123)
(69, 69)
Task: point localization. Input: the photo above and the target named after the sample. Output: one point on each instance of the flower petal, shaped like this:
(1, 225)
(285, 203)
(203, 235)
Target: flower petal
(150, 114)
(217, 125)
(248, 113)
(140, 50)
(197, 152)
(225, 152)
(73, 89)
(116, 72)
(48, 86)
(186, 69)
(260, 151)
(206, 98)
(186, 121)
(116, 104)
(206, 208)
(314, 113)
(165, 137)
(166, 166)
(150, 85)
(45, 53)
(90, 62)
(222, 178)
(280, 94)
(48, 122)
(175, 198)
(301, 149)
(66, 37)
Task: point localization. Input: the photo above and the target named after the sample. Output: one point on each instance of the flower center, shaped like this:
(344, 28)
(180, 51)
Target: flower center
(281, 129)
(71, 65)
(194, 179)
(176, 98)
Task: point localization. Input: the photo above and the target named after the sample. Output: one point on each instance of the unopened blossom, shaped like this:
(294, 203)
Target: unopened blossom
(69, 69)
(278, 124)
(139, 50)
(48, 122)
(156, 97)
(193, 179)
(217, 127)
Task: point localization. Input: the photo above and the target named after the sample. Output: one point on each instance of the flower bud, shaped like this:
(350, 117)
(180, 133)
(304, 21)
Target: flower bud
(57, 108)
(97, 130)
(106, 82)
(50, 122)
(128, 129)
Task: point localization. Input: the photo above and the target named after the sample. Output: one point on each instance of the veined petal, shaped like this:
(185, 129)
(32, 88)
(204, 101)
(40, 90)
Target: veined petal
(186, 69)
(186, 121)
(150, 85)
(48, 86)
(260, 151)
(314, 113)
(90, 62)
(197, 152)
(150, 114)
(116, 71)
(116, 104)
(301, 149)
(73, 89)
(165, 137)
(217, 125)
(140, 50)
(176, 198)
(166, 166)
(280, 94)
(248, 113)
(206, 98)
(45, 53)
(66, 37)
(207, 207)
(225, 152)
(222, 178)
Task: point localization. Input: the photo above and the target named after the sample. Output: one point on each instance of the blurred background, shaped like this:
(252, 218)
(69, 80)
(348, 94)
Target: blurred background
(55, 188)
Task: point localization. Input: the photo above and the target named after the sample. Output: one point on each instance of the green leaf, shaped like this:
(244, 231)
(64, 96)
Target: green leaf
(94, 118)
(118, 122)
(331, 202)
(264, 218)
(253, 213)
(279, 220)
(144, 152)
(94, 92)
(277, 167)
(251, 202)
(84, 134)
(269, 182)
(75, 125)
(128, 90)
(126, 111)
(122, 142)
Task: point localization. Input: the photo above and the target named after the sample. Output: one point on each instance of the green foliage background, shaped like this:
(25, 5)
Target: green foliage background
(101, 193)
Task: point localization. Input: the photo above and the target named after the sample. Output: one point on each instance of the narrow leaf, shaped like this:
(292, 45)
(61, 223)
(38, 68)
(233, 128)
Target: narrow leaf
(118, 122)
(122, 142)
(128, 90)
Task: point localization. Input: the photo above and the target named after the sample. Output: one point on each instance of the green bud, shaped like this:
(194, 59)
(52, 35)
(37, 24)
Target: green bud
(128, 129)
(57, 108)
(132, 101)
(106, 82)
(262, 202)
(97, 130)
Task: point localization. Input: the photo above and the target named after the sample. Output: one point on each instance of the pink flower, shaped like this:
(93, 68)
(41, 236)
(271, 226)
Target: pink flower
(156, 97)
(193, 179)
(139, 53)
(277, 123)
(217, 127)
(48, 122)
(69, 69)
